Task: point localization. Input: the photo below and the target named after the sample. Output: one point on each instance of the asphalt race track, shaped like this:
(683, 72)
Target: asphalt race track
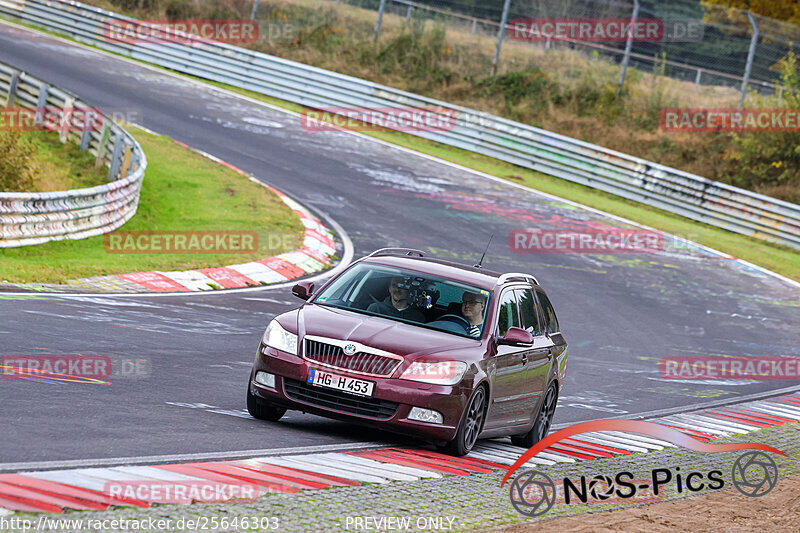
(620, 313)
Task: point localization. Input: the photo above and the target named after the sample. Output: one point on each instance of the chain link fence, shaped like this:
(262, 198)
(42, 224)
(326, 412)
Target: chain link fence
(704, 43)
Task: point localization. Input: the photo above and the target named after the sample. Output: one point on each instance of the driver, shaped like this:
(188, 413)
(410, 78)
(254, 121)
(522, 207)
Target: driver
(472, 306)
(396, 304)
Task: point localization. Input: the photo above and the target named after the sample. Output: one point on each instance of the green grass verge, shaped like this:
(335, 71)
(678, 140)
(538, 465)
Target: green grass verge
(780, 259)
(64, 166)
(182, 191)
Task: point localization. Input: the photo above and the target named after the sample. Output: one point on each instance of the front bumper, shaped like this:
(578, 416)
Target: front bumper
(388, 408)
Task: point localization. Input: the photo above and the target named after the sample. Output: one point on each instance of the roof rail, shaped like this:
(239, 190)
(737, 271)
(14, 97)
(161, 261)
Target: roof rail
(397, 251)
(516, 276)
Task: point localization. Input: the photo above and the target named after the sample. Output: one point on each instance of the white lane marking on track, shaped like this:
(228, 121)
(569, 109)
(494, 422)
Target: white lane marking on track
(515, 452)
(69, 477)
(638, 440)
(383, 469)
(294, 461)
(618, 442)
(776, 408)
(714, 422)
(702, 428)
(379, 465)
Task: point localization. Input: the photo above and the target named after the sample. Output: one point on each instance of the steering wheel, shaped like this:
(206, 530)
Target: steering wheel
(458, 319)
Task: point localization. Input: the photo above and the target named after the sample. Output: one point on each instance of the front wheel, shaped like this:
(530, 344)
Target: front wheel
(262, 409)
(470, 426)
(543, 420)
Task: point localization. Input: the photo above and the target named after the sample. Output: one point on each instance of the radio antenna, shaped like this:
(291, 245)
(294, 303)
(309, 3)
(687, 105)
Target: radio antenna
(480, 263)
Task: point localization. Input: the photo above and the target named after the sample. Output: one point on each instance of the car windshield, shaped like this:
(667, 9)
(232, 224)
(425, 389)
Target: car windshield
(411, 297)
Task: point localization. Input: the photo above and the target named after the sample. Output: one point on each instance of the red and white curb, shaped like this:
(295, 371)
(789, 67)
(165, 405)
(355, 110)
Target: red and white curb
(314, 255)
(86, 488)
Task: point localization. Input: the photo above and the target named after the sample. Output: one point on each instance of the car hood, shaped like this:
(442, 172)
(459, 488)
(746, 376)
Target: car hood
(381, 333)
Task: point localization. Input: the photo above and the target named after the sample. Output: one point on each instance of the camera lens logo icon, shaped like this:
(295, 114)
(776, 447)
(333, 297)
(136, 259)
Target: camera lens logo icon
(754, 474)
(532, 493)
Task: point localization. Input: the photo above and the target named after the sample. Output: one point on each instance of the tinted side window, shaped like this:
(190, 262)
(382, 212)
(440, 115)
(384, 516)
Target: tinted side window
(509, 315)
(549, 314)
(529, 316)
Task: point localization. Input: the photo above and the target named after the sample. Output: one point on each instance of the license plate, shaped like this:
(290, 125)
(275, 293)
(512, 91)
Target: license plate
(332, 381)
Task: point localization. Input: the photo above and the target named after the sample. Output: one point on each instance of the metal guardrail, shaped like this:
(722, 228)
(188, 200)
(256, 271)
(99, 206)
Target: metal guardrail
(33, 218)
(672, 190)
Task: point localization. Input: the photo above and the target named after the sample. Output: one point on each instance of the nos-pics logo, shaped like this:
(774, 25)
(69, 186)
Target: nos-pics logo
(533, 493)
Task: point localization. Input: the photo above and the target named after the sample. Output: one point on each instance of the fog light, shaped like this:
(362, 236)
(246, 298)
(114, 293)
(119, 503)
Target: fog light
(266, 379)
(425, 415)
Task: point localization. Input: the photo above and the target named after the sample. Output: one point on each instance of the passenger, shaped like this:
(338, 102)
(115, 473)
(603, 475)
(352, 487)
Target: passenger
(472, 306)
(396, 304)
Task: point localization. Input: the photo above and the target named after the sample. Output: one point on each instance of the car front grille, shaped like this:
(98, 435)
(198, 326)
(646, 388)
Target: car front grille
(339, 401)
(361, 362)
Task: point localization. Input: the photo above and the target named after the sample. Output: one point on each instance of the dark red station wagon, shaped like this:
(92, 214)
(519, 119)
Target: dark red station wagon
(416, 345)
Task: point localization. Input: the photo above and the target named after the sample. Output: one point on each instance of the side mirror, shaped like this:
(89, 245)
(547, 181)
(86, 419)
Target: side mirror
(516, 337)
(303, 290)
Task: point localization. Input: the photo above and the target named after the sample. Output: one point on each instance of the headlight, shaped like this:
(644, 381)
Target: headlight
(280, 339)
(437, 372)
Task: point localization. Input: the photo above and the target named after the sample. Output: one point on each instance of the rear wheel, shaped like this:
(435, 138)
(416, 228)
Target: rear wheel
(470, 427)
(543, 420)
(262, 409)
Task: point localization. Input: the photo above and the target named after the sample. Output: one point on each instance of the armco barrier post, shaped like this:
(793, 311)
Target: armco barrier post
(126, 162)
(379, 21)
(750, 55)
(41, 102)
(69, 109)
(628, 45)
(116, 155)
(86, 134)
(101, 148)
(500, 34)
(12, 88)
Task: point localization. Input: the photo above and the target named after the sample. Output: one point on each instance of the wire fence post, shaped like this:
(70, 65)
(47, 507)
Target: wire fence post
(255, 10)
(628, 45)
(408, 13)
(750, 56)
(697, 80)
(474, 26)
(380, 20)
(500, 33)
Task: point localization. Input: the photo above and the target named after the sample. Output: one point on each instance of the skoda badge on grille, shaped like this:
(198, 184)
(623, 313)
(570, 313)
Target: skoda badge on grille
(350, 349)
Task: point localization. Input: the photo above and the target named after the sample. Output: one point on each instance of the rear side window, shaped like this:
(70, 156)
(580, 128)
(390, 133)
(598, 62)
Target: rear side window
(509, 315)
(529, 315)
(549, 314)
